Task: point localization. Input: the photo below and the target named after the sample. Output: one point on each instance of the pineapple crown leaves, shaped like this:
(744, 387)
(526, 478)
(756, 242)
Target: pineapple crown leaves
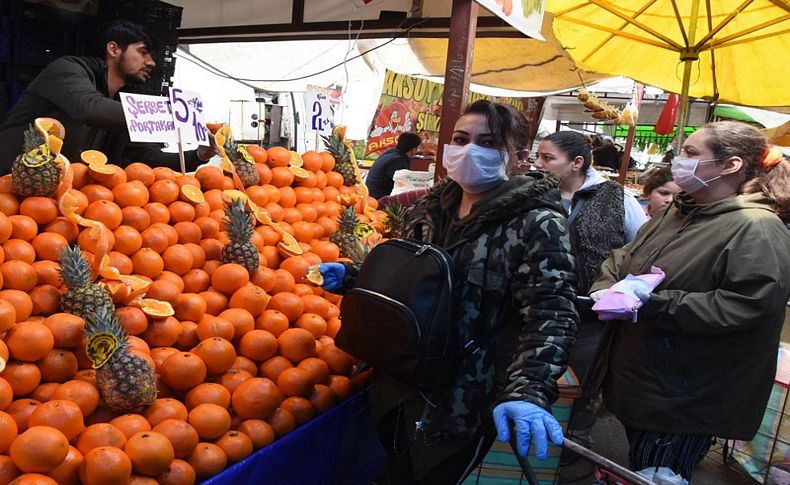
(33, 139)
(336, 147)
(347, 219)
(104, 320)
(75, 270)
(238, 222)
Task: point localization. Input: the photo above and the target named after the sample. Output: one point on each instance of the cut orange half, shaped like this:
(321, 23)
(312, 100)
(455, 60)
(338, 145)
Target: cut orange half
(296, 159)
(225, 164)
(93, 157)
(314, 276)
(192, 194)
(155, 308)
(299, 172)
(103, 169)
(55, 144)
(50, 126)
(230, 195)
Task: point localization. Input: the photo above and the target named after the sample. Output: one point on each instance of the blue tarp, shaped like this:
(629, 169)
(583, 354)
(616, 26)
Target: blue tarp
(337, 447)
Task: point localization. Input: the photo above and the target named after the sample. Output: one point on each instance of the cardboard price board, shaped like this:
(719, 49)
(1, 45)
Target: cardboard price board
(319, 111)
(149, 118)
(188, 116)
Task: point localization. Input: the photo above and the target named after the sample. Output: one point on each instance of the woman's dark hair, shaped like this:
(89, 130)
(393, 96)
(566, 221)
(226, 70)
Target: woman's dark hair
(734, 139)
(123, 32)
(656, 180)
(507, 125)
(574, 145)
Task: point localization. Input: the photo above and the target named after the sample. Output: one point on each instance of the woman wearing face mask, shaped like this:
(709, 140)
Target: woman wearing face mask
(513, 285)
(602, 217)
(659, 190)
(700, 361)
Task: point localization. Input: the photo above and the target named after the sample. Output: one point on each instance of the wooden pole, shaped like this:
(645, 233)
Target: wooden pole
(460, 48)
(629, 142)
(181, 153)
(688, 57)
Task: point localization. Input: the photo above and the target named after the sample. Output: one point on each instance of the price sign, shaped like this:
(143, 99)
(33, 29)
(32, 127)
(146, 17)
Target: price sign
(319, 111)
(188, 115)
(148, 118)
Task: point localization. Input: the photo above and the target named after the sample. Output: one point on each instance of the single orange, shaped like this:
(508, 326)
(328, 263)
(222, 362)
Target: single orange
(256, 398)
(82, 393)
(39, 449)
(165, 408)
(105, 464)
(208, 392)
(98, 435)
(236, 445)
(207, 459)
(183, 371)
(182, 436)
(217, 353)
(43, 210)
(210, 420)
(274, 366)
(259, 432)
(297, 344)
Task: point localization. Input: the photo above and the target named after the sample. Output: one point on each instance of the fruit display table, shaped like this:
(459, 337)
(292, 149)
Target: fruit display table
(336, 447)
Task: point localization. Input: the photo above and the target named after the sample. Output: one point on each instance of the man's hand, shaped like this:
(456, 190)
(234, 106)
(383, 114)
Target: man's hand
(205, 153)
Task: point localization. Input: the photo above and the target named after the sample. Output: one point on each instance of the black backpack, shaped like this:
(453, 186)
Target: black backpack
(398, 316)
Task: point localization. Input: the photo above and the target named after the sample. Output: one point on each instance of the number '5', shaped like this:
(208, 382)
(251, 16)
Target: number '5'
(176, 100)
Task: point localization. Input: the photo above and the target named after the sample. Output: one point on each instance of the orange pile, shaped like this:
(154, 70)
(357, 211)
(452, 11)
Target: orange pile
(242, 361)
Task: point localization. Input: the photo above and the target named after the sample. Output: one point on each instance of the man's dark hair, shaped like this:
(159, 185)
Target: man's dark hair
(408, 141)
(123, 32)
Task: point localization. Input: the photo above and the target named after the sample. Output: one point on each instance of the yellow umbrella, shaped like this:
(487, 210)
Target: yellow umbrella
(779, 135)
(735, 51)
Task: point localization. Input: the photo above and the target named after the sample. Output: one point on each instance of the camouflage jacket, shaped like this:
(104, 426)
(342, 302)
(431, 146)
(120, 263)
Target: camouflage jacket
(514, 272)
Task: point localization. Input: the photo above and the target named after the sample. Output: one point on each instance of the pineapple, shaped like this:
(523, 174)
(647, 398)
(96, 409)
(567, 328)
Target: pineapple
(345, 237)
(239, 227)
(82, 297)
(242, 161)
(36, 172)
(396, 220)
(344, 163)
(127, 382)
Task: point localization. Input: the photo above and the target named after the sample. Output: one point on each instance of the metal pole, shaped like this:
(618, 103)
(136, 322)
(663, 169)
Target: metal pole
(606, 463)
(629, 142)
(460, 47)
(687, 56)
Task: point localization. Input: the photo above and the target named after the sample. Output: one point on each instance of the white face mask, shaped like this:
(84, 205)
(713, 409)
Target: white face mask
(475, 168)
(684, 174)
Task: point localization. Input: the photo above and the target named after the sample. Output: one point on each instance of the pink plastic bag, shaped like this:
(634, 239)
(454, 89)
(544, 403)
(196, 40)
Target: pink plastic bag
(617, 305)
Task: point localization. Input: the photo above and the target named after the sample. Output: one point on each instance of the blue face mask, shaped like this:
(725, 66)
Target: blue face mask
(476, 169)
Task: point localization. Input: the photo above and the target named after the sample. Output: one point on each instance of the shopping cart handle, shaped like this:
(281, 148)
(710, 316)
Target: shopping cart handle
(606, 463)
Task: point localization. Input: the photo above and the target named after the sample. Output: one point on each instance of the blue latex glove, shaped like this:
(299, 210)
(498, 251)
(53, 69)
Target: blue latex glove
(531, 421)
(634, 287)
(333, 274)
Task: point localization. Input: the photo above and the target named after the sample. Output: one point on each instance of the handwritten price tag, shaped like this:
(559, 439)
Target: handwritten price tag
(148, 118)
(319, 112)
(188, 115)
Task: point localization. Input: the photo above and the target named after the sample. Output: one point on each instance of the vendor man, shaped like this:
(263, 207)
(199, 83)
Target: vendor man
(379, 179)
(82, 93)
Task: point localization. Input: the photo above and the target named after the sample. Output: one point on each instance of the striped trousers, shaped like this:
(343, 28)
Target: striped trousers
(679, 452)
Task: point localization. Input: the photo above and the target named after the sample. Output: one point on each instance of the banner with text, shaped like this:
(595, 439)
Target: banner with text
(412, 104)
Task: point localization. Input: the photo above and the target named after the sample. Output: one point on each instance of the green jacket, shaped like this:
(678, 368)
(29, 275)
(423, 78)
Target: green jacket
(702, 357)
(74, 91)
